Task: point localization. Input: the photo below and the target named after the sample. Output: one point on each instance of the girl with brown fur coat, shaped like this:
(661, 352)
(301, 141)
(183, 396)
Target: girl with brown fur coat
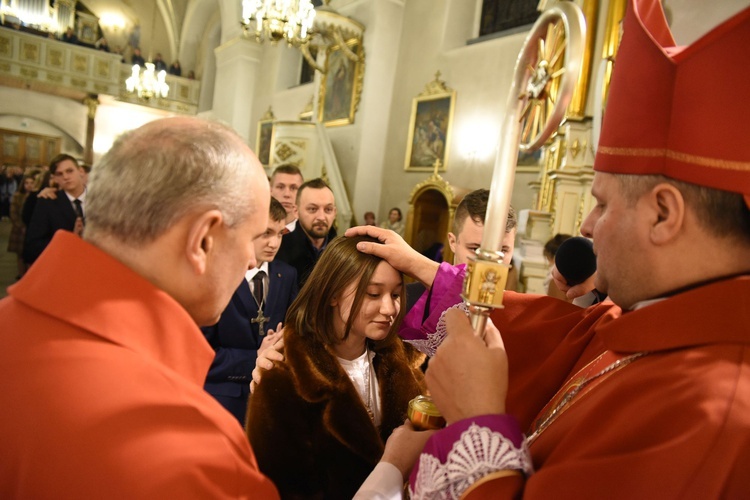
(319, 420)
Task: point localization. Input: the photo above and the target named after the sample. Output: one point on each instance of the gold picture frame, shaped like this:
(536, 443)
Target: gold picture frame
(430, 127)
(341, 84)
(87, 28)
(264, 138)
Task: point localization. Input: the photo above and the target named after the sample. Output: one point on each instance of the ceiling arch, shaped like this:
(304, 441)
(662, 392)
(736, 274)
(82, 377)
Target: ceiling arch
(140, 12)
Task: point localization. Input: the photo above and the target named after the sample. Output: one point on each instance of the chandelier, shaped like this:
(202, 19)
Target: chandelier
(291, 20)
(147, 84)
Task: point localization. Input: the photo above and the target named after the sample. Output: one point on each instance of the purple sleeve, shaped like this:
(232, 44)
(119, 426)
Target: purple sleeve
(464, 452)
(444, 293)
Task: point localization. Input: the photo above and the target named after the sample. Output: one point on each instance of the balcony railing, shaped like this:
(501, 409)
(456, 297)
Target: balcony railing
(61, 68)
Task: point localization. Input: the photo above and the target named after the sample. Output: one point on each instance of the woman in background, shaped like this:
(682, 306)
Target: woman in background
(43, 180)
(394, 222)
(319, 420)
(18, 228)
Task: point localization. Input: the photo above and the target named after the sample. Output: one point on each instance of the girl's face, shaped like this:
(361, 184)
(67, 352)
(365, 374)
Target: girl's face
(28, 183)
(394, 216)
(380, 306)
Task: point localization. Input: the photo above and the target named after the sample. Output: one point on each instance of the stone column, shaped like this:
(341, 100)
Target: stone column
(382, 38)
(237, 63)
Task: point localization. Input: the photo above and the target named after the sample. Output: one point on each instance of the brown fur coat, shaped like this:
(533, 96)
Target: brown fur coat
(308, 426)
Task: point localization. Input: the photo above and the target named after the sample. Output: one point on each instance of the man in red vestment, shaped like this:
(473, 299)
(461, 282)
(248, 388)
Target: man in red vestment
(648, 398)
(103, 364)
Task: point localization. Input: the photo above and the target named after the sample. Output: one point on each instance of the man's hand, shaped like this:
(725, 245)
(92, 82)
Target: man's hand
(396, 252)
(572, 292)
(48, 193)
(267, 356)
(404, 446)
(468, 376)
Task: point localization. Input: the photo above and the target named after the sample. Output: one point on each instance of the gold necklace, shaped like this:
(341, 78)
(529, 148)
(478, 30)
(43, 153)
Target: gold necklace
(368, 391)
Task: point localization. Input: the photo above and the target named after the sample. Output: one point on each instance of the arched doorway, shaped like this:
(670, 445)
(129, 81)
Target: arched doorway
(432, 205)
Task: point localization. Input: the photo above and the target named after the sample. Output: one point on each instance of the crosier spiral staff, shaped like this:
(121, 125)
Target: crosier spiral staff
(545, 77)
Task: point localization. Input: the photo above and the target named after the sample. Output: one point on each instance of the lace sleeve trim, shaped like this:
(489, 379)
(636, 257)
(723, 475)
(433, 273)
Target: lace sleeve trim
(434, 339)
(478, 452)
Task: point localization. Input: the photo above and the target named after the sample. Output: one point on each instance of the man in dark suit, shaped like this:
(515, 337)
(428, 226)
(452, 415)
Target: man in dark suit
(302, 247)
(466, 236)
(66, 211)
(285, 182)
(245, 328)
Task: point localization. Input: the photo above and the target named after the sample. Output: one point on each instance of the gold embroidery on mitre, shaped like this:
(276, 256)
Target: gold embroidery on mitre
(702, 161)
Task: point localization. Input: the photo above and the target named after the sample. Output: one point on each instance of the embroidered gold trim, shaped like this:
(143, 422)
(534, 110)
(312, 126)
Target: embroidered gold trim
(702, 161)
(566, 396)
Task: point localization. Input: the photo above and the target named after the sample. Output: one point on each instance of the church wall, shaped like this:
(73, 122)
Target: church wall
(690, 19)
(200, 16)
(278, 86)
(405, 43)
(363, 165)
(113, 118)
(28, 125)
(360, 147)
(480, 73)
(205, 63)
(66, 115)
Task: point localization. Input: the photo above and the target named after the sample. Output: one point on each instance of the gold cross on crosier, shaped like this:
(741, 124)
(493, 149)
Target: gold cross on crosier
(261, 321)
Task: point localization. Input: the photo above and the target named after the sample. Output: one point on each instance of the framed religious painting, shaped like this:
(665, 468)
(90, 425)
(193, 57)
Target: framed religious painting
(341, 84)
(88, 28)
(263, 140)
(430, 127)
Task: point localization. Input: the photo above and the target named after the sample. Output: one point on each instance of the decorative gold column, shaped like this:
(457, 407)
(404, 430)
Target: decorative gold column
(577, 108)
(554, 150)
(611, 42)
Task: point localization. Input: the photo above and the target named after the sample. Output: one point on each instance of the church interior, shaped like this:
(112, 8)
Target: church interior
(394, 103)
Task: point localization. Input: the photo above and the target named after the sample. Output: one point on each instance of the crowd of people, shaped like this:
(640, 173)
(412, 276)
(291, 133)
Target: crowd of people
(174, 69)
(135, 57)
(36, 210)
(182, 273)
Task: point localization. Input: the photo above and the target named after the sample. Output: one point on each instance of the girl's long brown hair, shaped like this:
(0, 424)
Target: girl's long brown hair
(311, 314)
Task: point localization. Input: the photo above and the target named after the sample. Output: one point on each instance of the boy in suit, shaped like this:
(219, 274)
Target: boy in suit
(65, 211)
(243, 331)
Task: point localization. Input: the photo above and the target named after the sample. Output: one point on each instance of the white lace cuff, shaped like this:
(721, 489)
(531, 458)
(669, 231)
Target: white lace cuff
(454, 459)
(433, 340)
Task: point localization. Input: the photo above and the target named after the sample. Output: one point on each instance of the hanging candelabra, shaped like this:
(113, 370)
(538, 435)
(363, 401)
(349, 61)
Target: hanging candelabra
(147, 84)
(275, 20)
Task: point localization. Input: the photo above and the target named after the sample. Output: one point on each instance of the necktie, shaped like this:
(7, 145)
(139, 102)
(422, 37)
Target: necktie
(258, 287)
(78, 208)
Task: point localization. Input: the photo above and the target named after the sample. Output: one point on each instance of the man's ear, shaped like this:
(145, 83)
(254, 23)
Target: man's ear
(452, 242)
(668, 206)
(201, 239)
